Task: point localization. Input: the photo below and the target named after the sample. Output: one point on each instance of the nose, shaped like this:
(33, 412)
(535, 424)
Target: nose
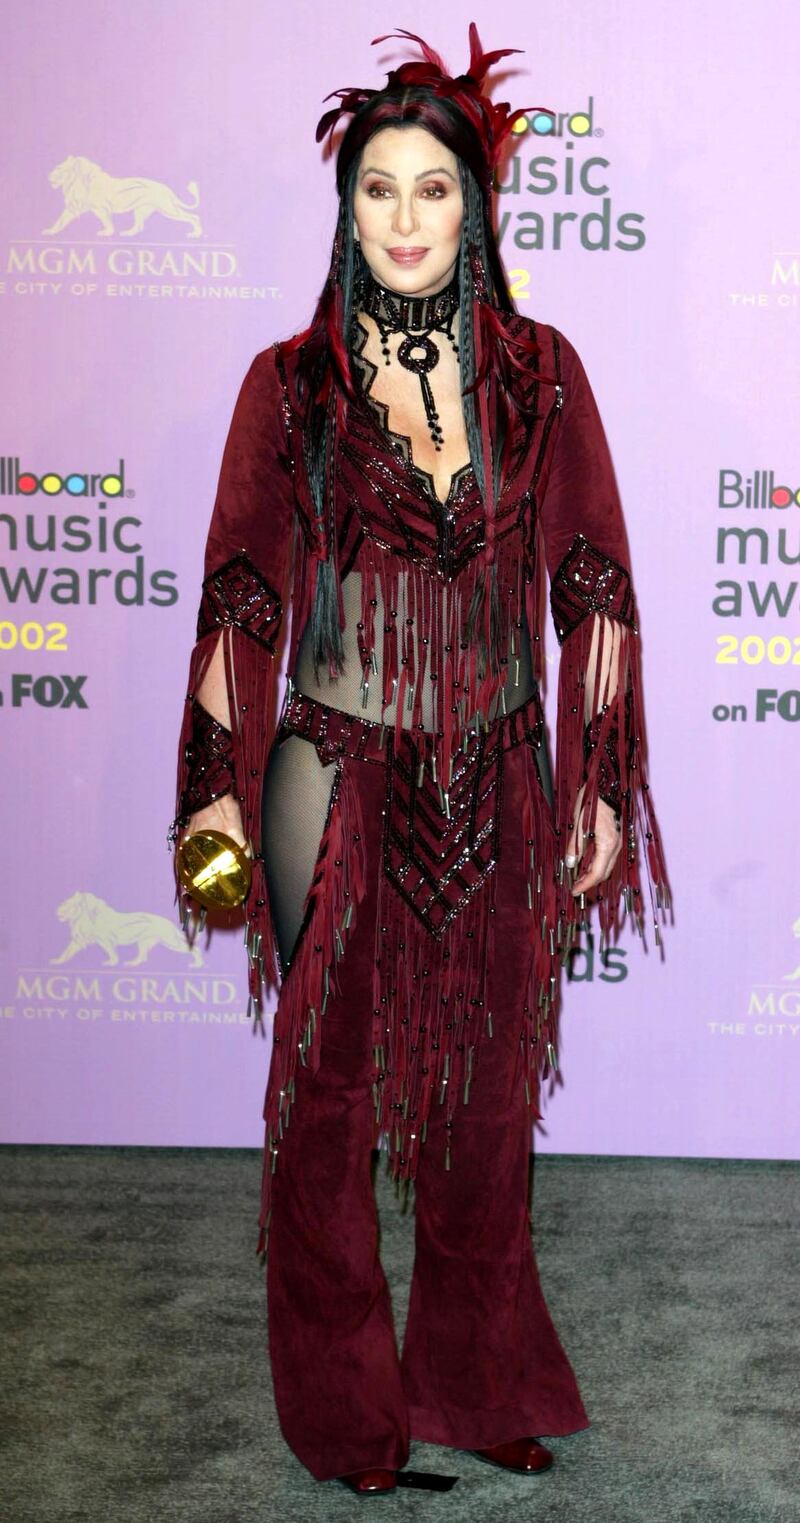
(405, 219)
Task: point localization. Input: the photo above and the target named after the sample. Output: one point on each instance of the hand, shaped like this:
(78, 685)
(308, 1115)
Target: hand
(607, 845)
(223, 815)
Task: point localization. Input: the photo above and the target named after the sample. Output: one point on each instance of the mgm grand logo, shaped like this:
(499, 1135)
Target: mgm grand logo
(88, 188)
(126, 966)
(117, 210)
(91, 922)
(776, 1007)
(122, 236)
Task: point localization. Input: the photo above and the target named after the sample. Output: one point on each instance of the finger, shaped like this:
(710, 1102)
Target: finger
(235, 834)
(591, 879)
(221, 824)
(575, 845)
(601, 867)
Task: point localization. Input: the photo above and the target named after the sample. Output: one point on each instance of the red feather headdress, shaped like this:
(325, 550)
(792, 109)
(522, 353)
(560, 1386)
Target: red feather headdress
(493, 122)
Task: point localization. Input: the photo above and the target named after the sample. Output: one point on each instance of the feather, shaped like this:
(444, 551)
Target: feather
(428, 52)
(480, 62)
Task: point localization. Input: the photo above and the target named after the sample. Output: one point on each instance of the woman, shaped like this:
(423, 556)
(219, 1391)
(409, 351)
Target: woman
(400, 473)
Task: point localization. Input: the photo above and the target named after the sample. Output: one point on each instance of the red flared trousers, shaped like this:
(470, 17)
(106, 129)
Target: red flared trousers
(481, 1362)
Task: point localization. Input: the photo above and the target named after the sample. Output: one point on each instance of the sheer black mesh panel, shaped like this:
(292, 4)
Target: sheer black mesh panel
(294, 812)
(345, 692)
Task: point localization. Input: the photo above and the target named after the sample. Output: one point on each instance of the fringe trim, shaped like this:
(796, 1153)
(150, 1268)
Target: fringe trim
(429, 1017)
(551, 938)
(251, 676)
(622, 893)
(427, 630)
(431, 1011)
(337, 887)
(252, 682)
(198, 664)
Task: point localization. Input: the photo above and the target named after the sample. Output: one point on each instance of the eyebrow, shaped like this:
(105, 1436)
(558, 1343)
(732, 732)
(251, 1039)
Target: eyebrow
(423, 176)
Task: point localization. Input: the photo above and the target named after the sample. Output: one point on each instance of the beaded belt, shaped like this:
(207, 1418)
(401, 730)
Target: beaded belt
(335, 732)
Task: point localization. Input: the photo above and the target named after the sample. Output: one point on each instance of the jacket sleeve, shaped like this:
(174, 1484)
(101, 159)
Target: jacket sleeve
(600, 743)
(244, 598)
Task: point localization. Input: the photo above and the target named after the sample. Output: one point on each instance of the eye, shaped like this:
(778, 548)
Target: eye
(437, 190)
(377, 190)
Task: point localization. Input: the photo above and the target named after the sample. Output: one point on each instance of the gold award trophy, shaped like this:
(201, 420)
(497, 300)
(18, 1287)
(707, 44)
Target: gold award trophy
(214, 870)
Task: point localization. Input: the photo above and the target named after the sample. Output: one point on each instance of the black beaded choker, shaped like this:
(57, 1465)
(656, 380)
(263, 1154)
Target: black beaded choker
(417, 317)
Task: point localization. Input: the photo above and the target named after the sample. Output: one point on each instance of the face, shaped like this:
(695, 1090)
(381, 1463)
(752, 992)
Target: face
(408, 210)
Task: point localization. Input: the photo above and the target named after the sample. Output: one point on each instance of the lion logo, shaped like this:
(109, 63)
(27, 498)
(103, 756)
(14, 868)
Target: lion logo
(88, 188)
(93, 923)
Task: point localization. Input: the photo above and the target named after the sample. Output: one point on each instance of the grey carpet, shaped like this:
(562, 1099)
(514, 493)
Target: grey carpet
(135, 1383)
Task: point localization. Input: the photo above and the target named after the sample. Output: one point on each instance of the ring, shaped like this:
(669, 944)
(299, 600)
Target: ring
(570, 861)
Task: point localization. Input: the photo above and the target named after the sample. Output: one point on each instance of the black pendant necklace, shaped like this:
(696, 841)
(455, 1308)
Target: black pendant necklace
(416, 317)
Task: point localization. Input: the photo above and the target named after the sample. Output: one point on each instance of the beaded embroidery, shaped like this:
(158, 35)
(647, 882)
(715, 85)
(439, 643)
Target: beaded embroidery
(237, 594)
(209, 759)
(436, 860)
(589, 582)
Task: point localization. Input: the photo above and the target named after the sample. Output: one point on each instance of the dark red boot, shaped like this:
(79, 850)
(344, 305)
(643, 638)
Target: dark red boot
(525, 1455)
(370, 1483)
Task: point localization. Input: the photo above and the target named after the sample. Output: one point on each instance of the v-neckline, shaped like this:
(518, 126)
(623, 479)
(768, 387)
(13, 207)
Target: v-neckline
(396, 440)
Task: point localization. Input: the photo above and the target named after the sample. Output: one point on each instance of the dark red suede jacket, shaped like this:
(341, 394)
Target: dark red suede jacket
(419, 560)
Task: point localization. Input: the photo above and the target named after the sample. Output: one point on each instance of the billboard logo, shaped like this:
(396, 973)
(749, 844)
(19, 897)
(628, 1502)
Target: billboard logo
(21, 483)
(608, 961)
(735, 490)
(543, 122)
(109, 542)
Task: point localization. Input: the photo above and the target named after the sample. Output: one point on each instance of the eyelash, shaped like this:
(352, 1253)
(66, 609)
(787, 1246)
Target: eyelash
(440, 189)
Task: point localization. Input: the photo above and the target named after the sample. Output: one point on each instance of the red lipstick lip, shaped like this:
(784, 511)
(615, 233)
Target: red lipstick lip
(401, 254)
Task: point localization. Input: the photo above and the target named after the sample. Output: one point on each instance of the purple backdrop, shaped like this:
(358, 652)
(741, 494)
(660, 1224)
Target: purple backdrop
(158, 233)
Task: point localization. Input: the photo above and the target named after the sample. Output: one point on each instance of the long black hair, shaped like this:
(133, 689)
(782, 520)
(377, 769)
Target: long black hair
(324, 373)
